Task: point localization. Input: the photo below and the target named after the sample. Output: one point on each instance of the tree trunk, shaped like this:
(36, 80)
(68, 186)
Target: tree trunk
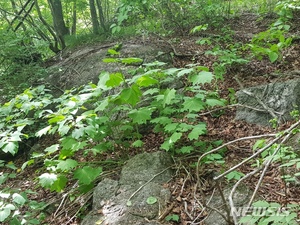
(101, 15)
(74, 18)
(95, 22)
(58, 20)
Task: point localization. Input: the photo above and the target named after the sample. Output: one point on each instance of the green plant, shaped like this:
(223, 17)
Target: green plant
(129, 104)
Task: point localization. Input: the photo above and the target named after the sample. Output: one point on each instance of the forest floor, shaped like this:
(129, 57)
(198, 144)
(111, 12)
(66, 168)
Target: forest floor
(223, 127)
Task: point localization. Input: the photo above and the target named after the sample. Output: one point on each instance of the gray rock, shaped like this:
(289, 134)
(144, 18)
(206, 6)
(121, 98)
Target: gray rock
(125, 201)
(280, 98)
(84, 66)
(240, 199)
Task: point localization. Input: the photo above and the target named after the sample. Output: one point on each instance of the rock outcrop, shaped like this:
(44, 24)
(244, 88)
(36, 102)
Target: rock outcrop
(126, 201)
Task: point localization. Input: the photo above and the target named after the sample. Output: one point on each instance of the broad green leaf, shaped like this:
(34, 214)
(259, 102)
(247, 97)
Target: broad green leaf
(103, 105)
(175, 137)
(87, 174)
(131, 95)
(273, 56)
(47, 179)
(259, 144)
(43, 131)
(66, 165)
(112, 52)
(4, 213)
(171, 127)
(261, 203)
(146, 81)
(103, 78)
(110, 60)
(171, 71)
(52, 148)
(172, 217)
(197, 131)
(19, 199)
(202, 78)
(151, 200)
(193, 104)
(169, 95)
(11, 147)
(141, 115)
(162, 120)
(185, 71)
(151, 91)
(138, 143)
(186, 149)
(132, 61)
(115, 79)
(214, 102)
(59, 183)
(56, 118)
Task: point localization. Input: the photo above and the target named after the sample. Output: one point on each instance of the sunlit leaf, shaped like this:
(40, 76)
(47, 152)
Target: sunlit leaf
(198, 130)
(19, 199)
(202, 78)
(115, 79)
(141, 115)
(47, 179)
(169, 95)
(87, 174)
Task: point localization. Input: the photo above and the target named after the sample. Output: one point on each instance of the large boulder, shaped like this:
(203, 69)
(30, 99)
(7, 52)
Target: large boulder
(125, 201)
(85, 65)
(264, 102)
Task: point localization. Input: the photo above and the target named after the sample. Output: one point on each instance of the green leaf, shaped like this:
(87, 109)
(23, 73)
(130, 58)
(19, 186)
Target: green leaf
(47, 179)
(138, 144)
(59, 184)
(163, 120)
(169, 95)
(19, 199)
(132, 61)
(115, 79)
(193, 104)
(56, 119)
(146, 81)
(110, 60)
(202, 78)
(66, 165)
(112, 52)
(197, 131)
(52, 148)
(171, 140)
(129, 203)
(173, 217)
(259, 144)
(43, 131)
(131, 95)
(11, 147)
(4, 214)
(273, 56)
(151, 200)
(141, 115)
(214, 102)
(87, 174)
(185, 150)
(103, 105)
(185, 71)
(171, 127)
(103, 78)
